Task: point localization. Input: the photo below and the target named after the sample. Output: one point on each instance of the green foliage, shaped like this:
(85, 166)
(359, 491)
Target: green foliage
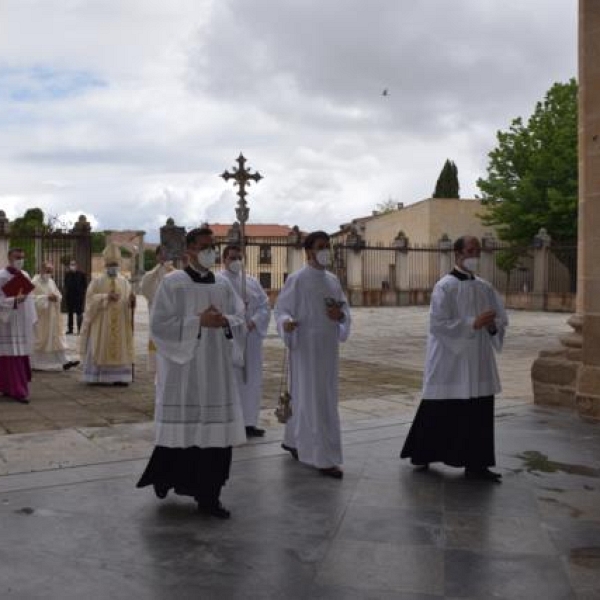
(532, 174)
(447, 184)
(386, 207)
(22, 234)
(98, 241)
(149, 259)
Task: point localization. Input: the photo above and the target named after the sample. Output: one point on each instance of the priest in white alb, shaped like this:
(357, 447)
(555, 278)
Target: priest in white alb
(107, 334)
(198, 414)
(454, 423)
(248, 337)
(50, 348)
(148, 287)
(313, 317)
(17, 318)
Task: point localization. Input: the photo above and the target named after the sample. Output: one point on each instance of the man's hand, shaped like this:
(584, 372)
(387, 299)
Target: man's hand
(212, 317)
(335, 313)
(251, 325)
(113, 296)
(290, 326)
(485, 319)
(20, 298)
(52, 297)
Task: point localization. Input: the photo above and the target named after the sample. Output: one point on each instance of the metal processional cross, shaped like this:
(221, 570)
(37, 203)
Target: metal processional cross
(242, 178)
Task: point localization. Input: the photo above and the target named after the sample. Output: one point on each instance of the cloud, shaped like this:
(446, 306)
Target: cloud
(129, 111)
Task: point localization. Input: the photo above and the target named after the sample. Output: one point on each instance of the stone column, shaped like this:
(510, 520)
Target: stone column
(588, 272)
(571, 376)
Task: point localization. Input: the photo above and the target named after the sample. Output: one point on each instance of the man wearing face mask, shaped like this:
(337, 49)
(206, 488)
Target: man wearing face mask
(17, 318)
(455, 420)
(50, 350)
(312, 317)
(148, 287)
(198, 415)
(75, 288)
(106, 344)
(248, 338)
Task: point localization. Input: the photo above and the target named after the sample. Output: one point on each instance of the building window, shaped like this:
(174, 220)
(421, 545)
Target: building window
(265, 280)
(265, 255)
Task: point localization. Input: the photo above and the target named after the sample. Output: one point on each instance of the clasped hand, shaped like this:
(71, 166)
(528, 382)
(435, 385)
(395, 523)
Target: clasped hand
(485, 319)
(212, 317)
(335, 312)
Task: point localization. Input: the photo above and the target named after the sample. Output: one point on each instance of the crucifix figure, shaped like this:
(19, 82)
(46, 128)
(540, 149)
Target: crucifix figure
(242, 177)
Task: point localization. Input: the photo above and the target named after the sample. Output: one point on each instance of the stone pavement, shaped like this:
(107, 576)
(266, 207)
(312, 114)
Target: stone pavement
(74, 526)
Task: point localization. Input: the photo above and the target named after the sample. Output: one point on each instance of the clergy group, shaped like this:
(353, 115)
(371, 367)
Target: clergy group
(205, 349)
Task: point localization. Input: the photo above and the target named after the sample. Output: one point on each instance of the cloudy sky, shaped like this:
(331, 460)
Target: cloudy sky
(128, 110)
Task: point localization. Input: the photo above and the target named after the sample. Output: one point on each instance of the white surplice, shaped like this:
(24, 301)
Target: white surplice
(148, 287)
(258, 311)
(460, 361)
(314, 428)
(16, 324)
(50, 350)
(197, 402)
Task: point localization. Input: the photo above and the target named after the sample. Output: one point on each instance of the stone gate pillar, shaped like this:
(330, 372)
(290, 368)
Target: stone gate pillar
(402, 278)
(4, 240)
(541, 255)
(83, 245)
(295, 251)
(446, 255)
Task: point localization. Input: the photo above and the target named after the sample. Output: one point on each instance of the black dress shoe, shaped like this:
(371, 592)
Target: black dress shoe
(22, 400)
(161, 491)
(215, 510)
(483, 475)
(69, 333)
(334, 472)
(291, 450)
(252, 431)
(70, 365)
(121, 383)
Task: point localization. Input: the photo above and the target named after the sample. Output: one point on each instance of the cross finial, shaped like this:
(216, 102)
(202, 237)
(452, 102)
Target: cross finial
(241, 176)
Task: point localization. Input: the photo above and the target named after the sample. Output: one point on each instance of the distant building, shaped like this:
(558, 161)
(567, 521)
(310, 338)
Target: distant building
(266, 249)
(424, 223)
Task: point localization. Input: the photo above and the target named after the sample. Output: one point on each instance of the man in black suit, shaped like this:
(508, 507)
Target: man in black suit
(75, 288)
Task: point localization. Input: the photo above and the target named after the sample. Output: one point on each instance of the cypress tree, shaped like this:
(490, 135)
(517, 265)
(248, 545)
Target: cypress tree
(447, 184)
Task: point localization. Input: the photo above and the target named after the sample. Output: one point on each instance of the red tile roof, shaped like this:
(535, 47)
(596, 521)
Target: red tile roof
(253, 230)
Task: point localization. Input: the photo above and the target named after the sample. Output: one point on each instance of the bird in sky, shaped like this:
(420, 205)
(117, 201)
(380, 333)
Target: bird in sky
(385, 92)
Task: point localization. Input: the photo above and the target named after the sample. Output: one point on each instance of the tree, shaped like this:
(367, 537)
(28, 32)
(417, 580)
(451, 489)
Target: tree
(447, 184)
(532, 175)
(386, 207)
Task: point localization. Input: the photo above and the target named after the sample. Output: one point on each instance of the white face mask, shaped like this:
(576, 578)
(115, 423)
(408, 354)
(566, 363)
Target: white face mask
(235, 266)
(112, 271)
(206, 258)
(323, 257)
(71, 267)
(19, 263)
(471, 264)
